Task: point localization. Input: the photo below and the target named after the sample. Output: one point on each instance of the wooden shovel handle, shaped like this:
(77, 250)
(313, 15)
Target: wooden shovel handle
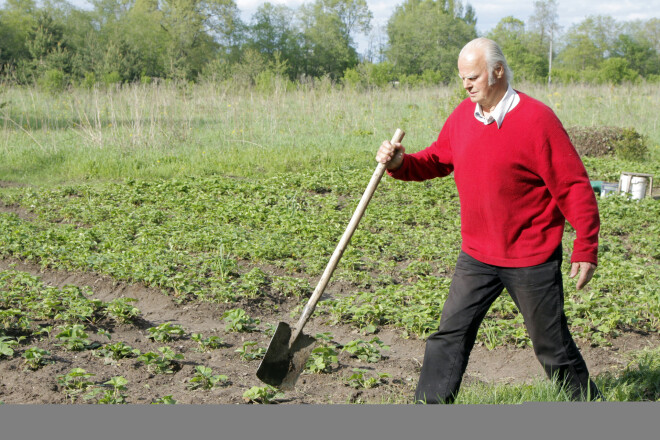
(339, 250)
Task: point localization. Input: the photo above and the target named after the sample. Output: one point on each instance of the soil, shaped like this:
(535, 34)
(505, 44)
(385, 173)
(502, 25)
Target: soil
(402, 362)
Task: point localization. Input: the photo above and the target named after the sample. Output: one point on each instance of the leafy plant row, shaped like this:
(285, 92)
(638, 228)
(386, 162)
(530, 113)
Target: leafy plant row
(67, 318)
(222, 239)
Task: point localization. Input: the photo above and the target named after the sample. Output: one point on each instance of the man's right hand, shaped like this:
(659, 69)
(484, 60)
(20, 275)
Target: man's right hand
(391, 154)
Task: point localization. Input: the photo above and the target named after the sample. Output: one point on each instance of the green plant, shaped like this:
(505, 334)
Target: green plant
(207, 344)
(121, 310)
(359, 379)
(35, 357)
(204, 378)
(163, 363)
(253, 283)
(249, 351)
(238, 321)
(74, 382)
(14, 319)
(104, 332)
(166, 332)
(112, 396)
(165, 400)
(5, 346)
(321, 359)
(47, 329)
(117, 351)
(631, 145)
(264, 395)
(75, 338)
(368, 351)
(52, 80)
(269, 329)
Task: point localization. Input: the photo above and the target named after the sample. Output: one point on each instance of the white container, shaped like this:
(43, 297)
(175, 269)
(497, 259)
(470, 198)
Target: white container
(638, 187)
(625, 183)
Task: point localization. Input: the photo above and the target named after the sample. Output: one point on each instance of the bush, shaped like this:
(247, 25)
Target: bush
(616, 71)
(351, 78)
(111, 78)
(89, 81)
(631, 145)
(626, 143)
(52, 80)
(380, 74)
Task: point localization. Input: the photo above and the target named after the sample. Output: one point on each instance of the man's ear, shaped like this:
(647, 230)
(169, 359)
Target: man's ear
(499, 71)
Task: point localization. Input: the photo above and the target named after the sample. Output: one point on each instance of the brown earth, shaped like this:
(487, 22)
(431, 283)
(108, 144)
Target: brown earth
(402, 361)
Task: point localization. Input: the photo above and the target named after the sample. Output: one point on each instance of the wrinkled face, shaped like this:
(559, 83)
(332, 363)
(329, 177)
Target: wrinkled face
(473, 70)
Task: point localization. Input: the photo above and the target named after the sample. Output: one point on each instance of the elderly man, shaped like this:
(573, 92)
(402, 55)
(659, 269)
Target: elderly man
(519, 179)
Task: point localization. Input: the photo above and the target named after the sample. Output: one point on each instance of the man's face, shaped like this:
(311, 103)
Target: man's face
(473, 70)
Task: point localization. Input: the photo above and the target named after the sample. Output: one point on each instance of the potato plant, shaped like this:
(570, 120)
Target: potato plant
(205, 379)
(35, 357)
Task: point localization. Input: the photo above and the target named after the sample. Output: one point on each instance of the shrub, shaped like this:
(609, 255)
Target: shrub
(52, 80)
(111, 78)
(631, 145)
(89, 81)
(616, 70)
(352, 78)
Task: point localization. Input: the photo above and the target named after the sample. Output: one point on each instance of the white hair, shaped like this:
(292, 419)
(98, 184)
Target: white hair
(494, 57)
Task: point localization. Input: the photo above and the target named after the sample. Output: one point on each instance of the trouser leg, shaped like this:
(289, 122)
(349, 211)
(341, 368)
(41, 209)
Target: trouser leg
(473, 289)
(538, 293)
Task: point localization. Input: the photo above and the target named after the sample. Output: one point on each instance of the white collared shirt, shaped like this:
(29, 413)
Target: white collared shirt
(506, 104)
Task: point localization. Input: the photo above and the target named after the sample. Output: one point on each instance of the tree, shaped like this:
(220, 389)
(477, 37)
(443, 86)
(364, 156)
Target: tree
(427, 35)
(273, 34)
(544, 22)
(327, 27)
(640, 55)
(195, 30)
(16, 21)
(514, 41)
(589, 42)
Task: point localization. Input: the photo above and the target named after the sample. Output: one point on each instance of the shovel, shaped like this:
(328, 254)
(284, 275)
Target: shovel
(289, 349)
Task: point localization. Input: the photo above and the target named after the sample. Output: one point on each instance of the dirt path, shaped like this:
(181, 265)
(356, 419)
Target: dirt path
(402, 362)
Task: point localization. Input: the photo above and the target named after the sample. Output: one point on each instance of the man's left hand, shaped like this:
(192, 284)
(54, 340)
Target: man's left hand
(586, 272)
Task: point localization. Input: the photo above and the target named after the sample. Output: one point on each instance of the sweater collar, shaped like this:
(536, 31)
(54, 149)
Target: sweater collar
(506, 104)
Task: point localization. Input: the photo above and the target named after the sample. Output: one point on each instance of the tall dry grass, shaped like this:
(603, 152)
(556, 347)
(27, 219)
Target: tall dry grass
(164, 130)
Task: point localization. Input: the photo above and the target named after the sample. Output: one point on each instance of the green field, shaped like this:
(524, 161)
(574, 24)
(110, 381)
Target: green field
(222, 196)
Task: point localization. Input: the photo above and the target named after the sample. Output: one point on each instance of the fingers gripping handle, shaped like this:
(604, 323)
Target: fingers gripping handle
(343, 242)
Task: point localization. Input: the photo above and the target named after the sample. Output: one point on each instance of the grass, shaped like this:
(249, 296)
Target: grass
(165, 131)
(639, 381)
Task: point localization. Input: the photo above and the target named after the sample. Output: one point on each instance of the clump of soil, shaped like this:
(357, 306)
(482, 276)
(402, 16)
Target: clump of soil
(607, 141)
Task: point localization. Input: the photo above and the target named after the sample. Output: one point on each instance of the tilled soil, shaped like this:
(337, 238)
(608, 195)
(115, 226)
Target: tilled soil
(402, 362)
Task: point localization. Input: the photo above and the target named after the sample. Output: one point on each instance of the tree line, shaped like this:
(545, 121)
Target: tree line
(55, 43)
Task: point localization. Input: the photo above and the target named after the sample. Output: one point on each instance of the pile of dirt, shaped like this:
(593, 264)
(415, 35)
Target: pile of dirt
(608, 141)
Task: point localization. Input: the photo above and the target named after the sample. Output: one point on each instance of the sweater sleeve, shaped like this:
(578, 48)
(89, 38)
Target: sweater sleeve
(568, 183)
(433, 161)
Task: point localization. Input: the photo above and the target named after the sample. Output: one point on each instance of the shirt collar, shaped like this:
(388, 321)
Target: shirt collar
(506, 104)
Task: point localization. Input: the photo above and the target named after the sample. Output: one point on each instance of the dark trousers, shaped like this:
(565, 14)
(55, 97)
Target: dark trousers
(537, 292)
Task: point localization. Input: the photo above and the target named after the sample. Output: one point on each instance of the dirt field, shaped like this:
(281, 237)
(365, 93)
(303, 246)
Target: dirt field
(402, 361)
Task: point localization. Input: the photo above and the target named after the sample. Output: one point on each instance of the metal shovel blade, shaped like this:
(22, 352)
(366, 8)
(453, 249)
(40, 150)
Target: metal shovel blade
(285, 359)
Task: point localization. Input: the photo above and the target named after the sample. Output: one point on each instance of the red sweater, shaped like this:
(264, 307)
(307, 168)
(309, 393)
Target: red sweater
(517, 184)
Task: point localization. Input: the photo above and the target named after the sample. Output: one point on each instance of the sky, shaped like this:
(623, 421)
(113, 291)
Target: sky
(489, 12)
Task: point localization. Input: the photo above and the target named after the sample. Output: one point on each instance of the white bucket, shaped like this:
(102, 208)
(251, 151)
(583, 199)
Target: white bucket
(638, 187)
(625, 183)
